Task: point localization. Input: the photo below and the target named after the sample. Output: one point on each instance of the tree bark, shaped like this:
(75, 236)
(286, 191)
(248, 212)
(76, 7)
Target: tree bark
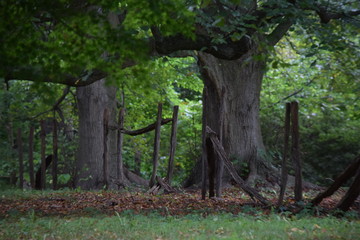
(172, 145)
(92, 101)
(231, 108)
(295, 150)
(284, 172)
(204, 157)
(105, 151)
(39, 173)
(135, 178)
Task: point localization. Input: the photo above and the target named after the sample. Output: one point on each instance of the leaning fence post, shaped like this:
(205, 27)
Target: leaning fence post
(348, 173)
(156, 145)
(351, 195)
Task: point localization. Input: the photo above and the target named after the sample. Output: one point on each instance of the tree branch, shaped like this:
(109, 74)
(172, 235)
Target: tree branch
(57, 103)
(145, 129)
(326, 16)
(37, 75)
(291, 95)
(275, 36)
(229, 50)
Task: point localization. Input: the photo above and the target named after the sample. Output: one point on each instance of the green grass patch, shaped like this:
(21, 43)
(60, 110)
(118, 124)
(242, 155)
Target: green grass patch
(153, 226)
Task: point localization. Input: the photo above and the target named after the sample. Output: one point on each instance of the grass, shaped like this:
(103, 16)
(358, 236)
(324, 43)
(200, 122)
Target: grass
(194, 226)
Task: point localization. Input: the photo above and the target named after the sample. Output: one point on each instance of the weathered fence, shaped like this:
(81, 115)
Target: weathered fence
(291, 128)
(156, 126)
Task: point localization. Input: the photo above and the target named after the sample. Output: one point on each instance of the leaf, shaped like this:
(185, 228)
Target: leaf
(219, 22)
(275, 64)
(237, 36)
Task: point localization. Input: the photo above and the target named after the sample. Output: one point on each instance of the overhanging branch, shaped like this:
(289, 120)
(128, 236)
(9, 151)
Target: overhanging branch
(282, 28)
(145, 129)
(326, 16)
(229, 50)
(36, 75)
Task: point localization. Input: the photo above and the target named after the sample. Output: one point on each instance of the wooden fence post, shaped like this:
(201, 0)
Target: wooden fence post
(31, 157)
(172, 144)
(105, 153)
(42, 151)
(295, 150)
(120, 139)
(284, 172)
(21, 162)
(204, 161)
(156, 146)
(55, 154)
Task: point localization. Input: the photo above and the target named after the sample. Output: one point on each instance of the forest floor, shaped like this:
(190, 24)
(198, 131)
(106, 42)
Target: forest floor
(73, 214)
(82, 203)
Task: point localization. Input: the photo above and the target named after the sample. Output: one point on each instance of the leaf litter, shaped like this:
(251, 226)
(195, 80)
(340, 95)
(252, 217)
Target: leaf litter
(111, 202)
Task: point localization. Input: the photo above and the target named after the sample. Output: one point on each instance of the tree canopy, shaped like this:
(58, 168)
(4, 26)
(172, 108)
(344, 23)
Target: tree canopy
(79, 42)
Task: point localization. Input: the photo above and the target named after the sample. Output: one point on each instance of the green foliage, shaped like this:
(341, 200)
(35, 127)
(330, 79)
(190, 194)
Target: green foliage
(23, 105)
(326, 86)
(44, 40)
(173, 82)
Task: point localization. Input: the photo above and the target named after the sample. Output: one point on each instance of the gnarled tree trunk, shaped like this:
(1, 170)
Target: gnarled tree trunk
(231, 107)
(92, 101)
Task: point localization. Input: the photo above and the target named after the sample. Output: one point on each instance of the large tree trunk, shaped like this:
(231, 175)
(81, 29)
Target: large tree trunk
(92, 101)
(231, 108)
